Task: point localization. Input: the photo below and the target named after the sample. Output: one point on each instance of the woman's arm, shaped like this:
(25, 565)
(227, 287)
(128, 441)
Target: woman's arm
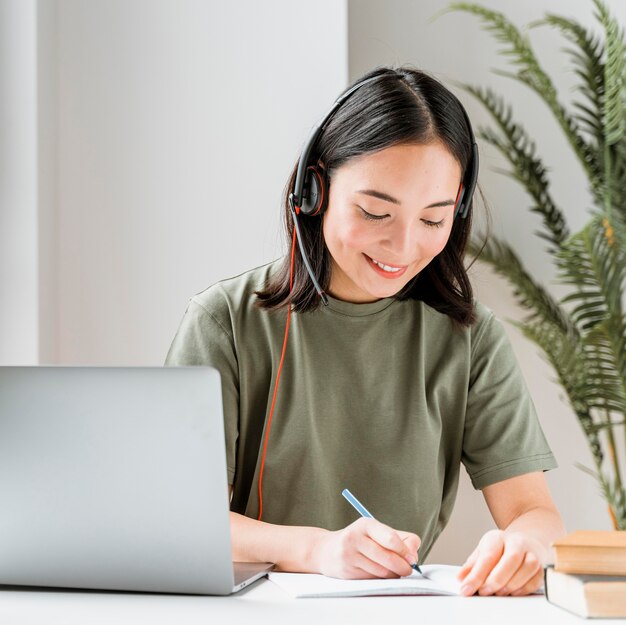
(510, 560)
(364, 549)
(290, 548)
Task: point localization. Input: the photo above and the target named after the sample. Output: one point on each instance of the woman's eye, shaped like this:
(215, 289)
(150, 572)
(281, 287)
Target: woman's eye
(371, 216)
(433, 224)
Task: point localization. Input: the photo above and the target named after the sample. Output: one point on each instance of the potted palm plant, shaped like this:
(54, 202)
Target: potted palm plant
(582, 334)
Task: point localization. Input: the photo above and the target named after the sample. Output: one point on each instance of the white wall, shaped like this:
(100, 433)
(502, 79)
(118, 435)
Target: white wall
(19, 300)
(178, 125)
(145, 148)
(455, 49)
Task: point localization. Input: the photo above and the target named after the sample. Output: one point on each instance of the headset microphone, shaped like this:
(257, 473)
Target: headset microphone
(305, 258)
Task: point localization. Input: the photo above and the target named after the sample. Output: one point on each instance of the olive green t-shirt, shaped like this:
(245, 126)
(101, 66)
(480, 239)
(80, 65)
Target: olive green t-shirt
(386, 399)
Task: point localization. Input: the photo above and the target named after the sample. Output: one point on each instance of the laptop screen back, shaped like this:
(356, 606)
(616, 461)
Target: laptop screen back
(114, 478)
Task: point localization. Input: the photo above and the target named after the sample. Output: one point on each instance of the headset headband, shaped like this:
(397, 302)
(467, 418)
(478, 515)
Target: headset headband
(317, 130)
(468, 183)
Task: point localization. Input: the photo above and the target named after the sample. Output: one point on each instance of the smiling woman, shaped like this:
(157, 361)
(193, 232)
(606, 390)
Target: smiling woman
(377, 242)
(363, 361)
(400, 137)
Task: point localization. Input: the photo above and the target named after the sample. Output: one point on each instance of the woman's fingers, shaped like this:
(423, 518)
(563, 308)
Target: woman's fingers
(509, 564)
(391, 561)
(413, 542)
(530, 570)
(372, 567)
(504, 563)
(490, 549)
(468, 565)
(367, 548)
(389, 538)
(532, 585)
(394, 550)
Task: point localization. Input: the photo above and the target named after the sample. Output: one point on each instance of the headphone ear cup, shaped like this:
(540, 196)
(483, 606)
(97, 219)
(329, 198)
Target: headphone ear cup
(315, 192)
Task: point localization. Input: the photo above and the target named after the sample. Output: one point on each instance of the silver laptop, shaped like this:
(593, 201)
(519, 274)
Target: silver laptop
(115, 478)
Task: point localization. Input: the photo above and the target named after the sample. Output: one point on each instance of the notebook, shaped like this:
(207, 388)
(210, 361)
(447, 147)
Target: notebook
(115, 478)
(437, 579)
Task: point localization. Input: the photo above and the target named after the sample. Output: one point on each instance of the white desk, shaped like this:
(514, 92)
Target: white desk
(264, 603)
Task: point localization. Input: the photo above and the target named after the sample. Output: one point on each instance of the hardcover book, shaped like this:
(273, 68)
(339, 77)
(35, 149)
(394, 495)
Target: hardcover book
(587, 595)
(592, 552)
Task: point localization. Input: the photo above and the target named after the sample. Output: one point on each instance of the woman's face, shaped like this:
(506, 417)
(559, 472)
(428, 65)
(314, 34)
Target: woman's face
(389, 214)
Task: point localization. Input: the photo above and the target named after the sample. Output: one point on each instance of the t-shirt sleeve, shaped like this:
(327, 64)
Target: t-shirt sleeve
(204, 337)
(502, 436)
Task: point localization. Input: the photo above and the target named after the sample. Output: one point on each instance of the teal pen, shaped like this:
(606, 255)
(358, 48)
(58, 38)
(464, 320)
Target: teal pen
(362, 510)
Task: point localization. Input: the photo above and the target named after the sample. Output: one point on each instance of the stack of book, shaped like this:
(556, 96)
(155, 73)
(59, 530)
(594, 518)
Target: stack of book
(588, 577)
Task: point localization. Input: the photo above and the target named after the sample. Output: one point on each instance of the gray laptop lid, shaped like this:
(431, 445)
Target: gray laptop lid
(114, 478)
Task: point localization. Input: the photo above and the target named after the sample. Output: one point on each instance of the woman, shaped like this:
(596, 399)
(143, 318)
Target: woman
(376, 370)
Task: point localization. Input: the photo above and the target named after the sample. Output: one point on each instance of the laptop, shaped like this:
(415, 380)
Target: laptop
(114, 478)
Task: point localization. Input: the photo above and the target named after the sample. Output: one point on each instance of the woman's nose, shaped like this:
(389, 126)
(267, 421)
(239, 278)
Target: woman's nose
(402, 241)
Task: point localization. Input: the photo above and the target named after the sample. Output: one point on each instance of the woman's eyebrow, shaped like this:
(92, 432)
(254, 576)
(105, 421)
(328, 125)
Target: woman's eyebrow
(442, 203)
(388, 198)
(380, 195)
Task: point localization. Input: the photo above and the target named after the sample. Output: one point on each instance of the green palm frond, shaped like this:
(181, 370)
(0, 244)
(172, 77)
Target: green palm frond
(517, 47)
(603, 350)
(584, 369)
(589, 363)
(615, 196)
(593, 261)
(529, 294)
(614, 110)
(567, 359)
(587, 58)
(583, 336)
(515, 144)
(613, 493)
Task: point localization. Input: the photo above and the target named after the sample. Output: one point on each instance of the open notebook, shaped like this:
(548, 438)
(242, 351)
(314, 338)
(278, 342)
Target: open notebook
(437, 579)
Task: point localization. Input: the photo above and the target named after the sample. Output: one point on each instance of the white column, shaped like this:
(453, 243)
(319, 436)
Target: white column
(18, 183)
(47, 180)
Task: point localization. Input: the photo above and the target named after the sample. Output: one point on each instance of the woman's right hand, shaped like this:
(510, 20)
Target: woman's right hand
(366, 549)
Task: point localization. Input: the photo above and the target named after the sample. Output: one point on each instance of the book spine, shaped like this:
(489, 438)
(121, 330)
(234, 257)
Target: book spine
(545, 579)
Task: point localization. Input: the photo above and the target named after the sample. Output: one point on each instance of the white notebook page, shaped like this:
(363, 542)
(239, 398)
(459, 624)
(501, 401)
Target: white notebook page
(438, 579)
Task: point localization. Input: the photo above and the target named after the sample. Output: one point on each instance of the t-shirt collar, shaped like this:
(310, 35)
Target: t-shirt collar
(358, 310)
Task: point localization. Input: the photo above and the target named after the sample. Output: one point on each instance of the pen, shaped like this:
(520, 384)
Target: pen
(362, 510)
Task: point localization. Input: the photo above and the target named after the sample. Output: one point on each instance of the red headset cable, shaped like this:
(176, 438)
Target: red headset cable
(280, 367)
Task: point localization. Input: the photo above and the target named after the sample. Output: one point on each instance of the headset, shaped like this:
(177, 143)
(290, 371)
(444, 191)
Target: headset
(310, 190)
(310, 198)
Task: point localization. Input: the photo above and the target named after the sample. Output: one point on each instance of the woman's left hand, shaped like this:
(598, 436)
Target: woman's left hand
(504, 563)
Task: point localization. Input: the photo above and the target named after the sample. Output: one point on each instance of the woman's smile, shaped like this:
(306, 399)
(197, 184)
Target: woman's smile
(386, 271)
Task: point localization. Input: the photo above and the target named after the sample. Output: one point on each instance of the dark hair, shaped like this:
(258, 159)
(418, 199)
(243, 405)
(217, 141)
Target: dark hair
(405, 106)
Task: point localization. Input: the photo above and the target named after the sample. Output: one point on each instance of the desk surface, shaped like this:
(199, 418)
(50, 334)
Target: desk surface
(264, 603)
